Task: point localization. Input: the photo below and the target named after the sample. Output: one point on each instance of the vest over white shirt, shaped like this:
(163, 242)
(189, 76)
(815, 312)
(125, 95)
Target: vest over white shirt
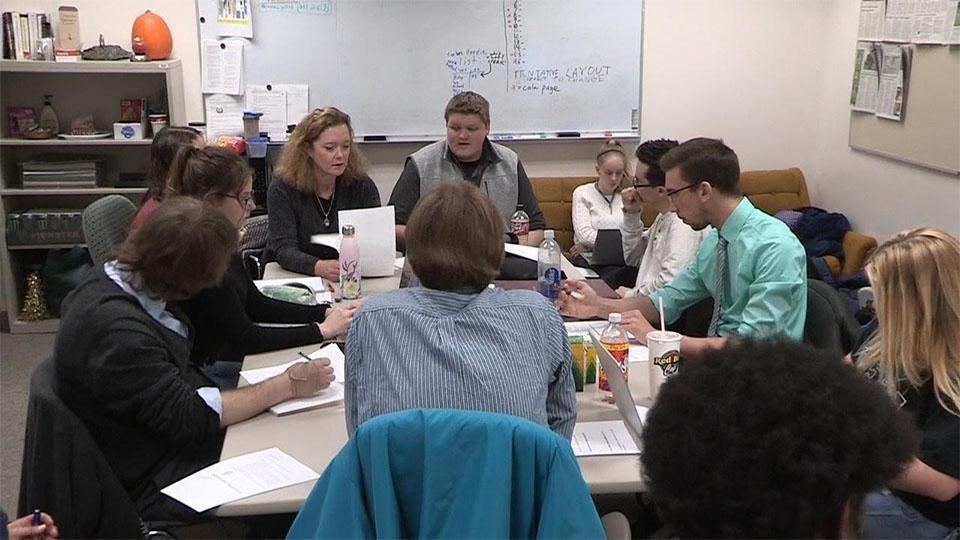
(498, 178)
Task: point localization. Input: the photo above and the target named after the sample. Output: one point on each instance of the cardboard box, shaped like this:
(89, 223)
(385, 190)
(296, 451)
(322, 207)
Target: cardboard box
(127, 131)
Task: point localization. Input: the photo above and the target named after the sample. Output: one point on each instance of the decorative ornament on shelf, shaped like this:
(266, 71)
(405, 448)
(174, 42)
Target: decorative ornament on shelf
(105, 52)
(34, 306)
(151, 36)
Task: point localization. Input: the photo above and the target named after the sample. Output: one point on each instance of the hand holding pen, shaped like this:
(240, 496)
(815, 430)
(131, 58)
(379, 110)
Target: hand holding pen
(36, 525)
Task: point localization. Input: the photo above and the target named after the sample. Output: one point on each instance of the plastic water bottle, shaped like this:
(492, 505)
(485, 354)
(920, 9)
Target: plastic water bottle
(349, 264)
(548, 267)
(520, 225)
(614, 340)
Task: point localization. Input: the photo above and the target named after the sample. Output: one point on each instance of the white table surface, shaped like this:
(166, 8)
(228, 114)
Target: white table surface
(315, 437)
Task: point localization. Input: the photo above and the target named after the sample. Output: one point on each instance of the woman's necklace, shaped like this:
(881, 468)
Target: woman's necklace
(326, 213)
(610, 200)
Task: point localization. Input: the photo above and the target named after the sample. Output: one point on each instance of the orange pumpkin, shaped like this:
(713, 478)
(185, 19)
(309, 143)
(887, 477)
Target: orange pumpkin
(151, 36)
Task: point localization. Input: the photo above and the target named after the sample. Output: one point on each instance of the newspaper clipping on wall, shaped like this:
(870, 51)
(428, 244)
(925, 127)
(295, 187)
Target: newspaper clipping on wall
(881, 77)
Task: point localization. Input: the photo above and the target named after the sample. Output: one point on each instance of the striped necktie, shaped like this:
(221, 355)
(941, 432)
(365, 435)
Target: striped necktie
(718, 289)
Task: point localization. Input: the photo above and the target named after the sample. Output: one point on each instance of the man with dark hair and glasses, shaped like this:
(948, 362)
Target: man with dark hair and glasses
(751, 264)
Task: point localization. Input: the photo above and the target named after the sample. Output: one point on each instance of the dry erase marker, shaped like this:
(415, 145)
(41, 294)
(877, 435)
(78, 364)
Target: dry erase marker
(305, 357)
(36, 517)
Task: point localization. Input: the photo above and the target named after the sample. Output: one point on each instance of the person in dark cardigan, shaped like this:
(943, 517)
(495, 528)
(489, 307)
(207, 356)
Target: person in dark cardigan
(122, 358)
(226, 316)
(320, 172)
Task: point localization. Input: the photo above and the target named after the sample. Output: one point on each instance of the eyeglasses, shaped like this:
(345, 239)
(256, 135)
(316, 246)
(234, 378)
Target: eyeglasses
(674, 192)
(636, 185)
(244, 200)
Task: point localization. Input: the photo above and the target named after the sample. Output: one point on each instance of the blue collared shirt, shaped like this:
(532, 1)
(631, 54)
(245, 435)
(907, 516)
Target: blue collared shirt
(157, 309)
(766, 287)
(496, 351)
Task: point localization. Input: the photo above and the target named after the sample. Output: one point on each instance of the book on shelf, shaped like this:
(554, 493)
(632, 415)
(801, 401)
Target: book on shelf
(21, 32)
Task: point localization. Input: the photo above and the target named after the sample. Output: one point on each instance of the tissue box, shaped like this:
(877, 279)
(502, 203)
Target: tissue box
(127, 131)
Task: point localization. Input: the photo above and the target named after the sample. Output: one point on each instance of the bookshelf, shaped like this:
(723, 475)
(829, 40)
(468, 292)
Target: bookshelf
(79, 88)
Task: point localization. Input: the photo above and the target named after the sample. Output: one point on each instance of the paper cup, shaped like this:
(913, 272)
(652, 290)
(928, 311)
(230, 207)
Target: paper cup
(664, 357)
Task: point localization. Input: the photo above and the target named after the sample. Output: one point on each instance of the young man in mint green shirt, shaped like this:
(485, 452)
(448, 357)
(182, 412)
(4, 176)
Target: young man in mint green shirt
(751, 262)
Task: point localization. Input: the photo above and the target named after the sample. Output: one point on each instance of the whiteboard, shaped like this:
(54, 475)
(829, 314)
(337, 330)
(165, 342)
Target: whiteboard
(548, 67)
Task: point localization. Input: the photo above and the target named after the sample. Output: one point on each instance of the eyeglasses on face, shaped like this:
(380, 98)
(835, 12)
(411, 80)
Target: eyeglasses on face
(675, 191)
(244, 200)
(638, 185)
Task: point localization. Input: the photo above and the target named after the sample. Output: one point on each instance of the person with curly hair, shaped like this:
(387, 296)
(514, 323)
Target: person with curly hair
(916, 354)
(770, 439)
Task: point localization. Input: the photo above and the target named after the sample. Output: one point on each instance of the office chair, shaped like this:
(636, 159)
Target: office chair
(442, 473)
(253, 247)
(105, 225)
(829, 325)
(65, 474)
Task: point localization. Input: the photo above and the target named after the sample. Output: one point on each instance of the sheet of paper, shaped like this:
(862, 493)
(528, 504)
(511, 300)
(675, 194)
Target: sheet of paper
(298, 102)
(894, 71)
(376, 238)
(898, 20)
(329, 240)
(235, 18)
(531, 253)
(319, 286)
(607, 438)
(272, 102)
(328, 396)
(930, 20)
(398, 264)
(951, 32)
(866, 78)
(221, 64)
(871, 20)
(224, 115)
(239, 477)
(638, 353)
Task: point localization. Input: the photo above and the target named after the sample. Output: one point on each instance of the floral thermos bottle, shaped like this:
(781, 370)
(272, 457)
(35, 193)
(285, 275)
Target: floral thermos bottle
(349, 264)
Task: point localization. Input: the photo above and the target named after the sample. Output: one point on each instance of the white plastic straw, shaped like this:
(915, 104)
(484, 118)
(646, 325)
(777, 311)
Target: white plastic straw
(663, 324)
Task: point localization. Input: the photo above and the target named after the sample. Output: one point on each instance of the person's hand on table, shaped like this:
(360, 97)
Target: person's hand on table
(577, 249)
(577, 299)
(634, 322)
(24, 529)
(337, 320)
(329, 269)
(308, 378)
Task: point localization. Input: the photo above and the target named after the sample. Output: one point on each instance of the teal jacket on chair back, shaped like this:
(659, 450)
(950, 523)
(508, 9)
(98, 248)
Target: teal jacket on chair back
(440, 473)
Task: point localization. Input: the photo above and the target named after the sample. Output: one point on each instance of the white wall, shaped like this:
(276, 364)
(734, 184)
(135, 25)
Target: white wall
(880, 196)
(771, 77)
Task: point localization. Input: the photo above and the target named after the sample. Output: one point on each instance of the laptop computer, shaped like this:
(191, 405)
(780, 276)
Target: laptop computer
(621, 391)
(608, 248)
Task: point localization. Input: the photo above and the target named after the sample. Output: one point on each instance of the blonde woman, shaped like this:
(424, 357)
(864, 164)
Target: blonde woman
(598, 205)
(320, 172)
(916, 353)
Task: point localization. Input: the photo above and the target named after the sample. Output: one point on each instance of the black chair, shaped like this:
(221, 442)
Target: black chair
(829, 325)
(65, 473)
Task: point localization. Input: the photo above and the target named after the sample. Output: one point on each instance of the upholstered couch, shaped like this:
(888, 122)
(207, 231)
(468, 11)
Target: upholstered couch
(771, 191)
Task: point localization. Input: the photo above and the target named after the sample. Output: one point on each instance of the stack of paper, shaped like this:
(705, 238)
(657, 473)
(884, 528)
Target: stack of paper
(609, 438)
(328, 396)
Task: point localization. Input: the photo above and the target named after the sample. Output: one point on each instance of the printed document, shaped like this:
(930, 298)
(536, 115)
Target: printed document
(331, 395)
(236, 478)
(866, 78)
(221, 64)
(607, 438)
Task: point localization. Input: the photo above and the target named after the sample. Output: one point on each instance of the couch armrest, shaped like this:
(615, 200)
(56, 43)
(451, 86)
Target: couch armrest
(856, 249)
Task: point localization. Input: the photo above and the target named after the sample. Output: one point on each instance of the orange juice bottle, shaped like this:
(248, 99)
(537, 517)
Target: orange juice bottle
(614, 340)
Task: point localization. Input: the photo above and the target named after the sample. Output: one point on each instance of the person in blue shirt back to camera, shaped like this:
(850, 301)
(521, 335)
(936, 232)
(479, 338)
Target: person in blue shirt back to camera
(751, 264)
(454, 342)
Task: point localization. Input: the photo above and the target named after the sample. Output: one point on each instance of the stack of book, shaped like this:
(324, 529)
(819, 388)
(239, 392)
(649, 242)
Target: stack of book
(60, 174)
(21, 32)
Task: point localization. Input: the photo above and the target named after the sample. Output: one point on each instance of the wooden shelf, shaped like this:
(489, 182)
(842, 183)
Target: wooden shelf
(73, 142)
(46, 326)
(55, 192)
(26, 247)
(88, 66)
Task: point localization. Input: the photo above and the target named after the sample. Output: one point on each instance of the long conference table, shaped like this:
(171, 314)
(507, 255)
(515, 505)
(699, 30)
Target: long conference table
(315, 437)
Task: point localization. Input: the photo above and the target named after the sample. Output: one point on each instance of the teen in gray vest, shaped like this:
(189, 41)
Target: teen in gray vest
(466, 154)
